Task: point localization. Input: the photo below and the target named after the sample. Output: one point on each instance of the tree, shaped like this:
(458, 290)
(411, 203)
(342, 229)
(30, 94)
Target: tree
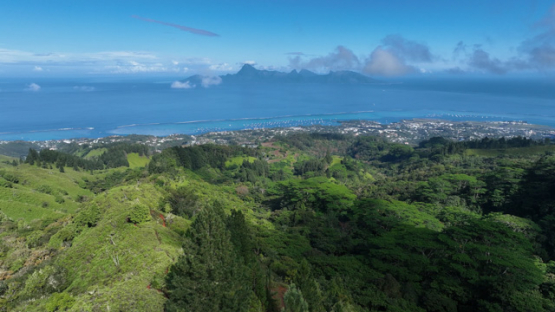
(309, 287)
(139, 214)
(294, 301)
(207, 277)
(243, 242)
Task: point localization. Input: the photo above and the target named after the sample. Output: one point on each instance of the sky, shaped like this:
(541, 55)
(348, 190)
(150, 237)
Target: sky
(399, 38)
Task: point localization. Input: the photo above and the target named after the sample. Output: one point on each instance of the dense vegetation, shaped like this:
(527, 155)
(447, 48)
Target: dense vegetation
(111, 156)
(307, 222)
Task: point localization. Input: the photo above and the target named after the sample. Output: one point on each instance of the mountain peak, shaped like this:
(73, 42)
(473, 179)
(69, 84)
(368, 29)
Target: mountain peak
(247, 69)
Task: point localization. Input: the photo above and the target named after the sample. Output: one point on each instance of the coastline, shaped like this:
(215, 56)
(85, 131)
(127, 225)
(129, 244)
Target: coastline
(405, 131)
(200, 127)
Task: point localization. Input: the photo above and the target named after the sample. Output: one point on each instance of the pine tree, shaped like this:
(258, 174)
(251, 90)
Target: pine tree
(328, 158)
(254, 303)
(310, 288)
(241, 236)
(337, 298)
(208, 276)
(32, 157)
(242, 240)
(294, 301)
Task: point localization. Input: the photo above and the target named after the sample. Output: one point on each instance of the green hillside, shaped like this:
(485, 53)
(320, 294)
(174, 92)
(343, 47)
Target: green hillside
(95, 153)
(136, 161)
(317, 223)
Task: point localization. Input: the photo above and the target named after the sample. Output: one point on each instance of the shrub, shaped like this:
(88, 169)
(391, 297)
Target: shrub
(139, 214)
(33, 239)
(17, 265)
(81, 198)
(11, 178)
(5, 183)
(3, 217)
(59, 302)
(66, 234)
(46, 189)
(88, 217)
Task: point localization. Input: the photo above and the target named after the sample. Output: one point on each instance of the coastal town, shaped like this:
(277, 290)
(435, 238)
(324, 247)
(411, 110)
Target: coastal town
(409, 132)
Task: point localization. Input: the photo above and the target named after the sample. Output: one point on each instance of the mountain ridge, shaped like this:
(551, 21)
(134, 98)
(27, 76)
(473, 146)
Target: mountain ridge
(249, 73)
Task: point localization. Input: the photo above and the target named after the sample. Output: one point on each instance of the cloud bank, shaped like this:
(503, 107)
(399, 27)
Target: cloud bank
(397, 56)
(388, 59)
(385, 63)
(108, 62)
(541, 48)
(180, 27)
(340, 59)
(536, 53)
(407, 49)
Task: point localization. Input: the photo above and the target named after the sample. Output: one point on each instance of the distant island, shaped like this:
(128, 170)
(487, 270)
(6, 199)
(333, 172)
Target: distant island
(250, 74)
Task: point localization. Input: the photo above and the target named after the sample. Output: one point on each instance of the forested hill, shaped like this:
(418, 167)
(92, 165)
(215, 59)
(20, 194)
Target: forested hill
(305, 222)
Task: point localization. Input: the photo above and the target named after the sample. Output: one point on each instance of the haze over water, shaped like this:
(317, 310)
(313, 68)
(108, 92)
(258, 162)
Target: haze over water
(63, 109)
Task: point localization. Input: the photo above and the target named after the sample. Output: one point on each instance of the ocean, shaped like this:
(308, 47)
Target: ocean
(74, 108)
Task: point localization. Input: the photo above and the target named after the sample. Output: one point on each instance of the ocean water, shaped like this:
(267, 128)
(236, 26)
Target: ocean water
(74, 108)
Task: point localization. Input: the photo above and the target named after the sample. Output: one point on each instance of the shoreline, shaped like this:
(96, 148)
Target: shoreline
(200, 127)
(405, 131)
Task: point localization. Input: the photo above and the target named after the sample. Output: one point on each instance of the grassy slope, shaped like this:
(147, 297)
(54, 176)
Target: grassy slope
(142, 252)
(25, 201)
(116, 276)
(95, 153)
(335, 160)
(136, 161)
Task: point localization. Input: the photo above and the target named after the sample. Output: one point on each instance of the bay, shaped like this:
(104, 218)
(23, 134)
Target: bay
(69, 108)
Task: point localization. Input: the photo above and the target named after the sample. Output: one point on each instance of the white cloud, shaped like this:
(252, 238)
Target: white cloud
(133, 67)
(113, 62)
(16, 56)
(384, 63)
(340, 59)
(111, 55)
(84, 88)
(181, 85)
(250, 62)
(211, 81)
(33, 87)
(221, 67)
(38, 69)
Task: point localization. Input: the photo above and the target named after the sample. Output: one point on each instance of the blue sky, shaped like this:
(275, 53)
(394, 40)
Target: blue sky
(173, 38)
